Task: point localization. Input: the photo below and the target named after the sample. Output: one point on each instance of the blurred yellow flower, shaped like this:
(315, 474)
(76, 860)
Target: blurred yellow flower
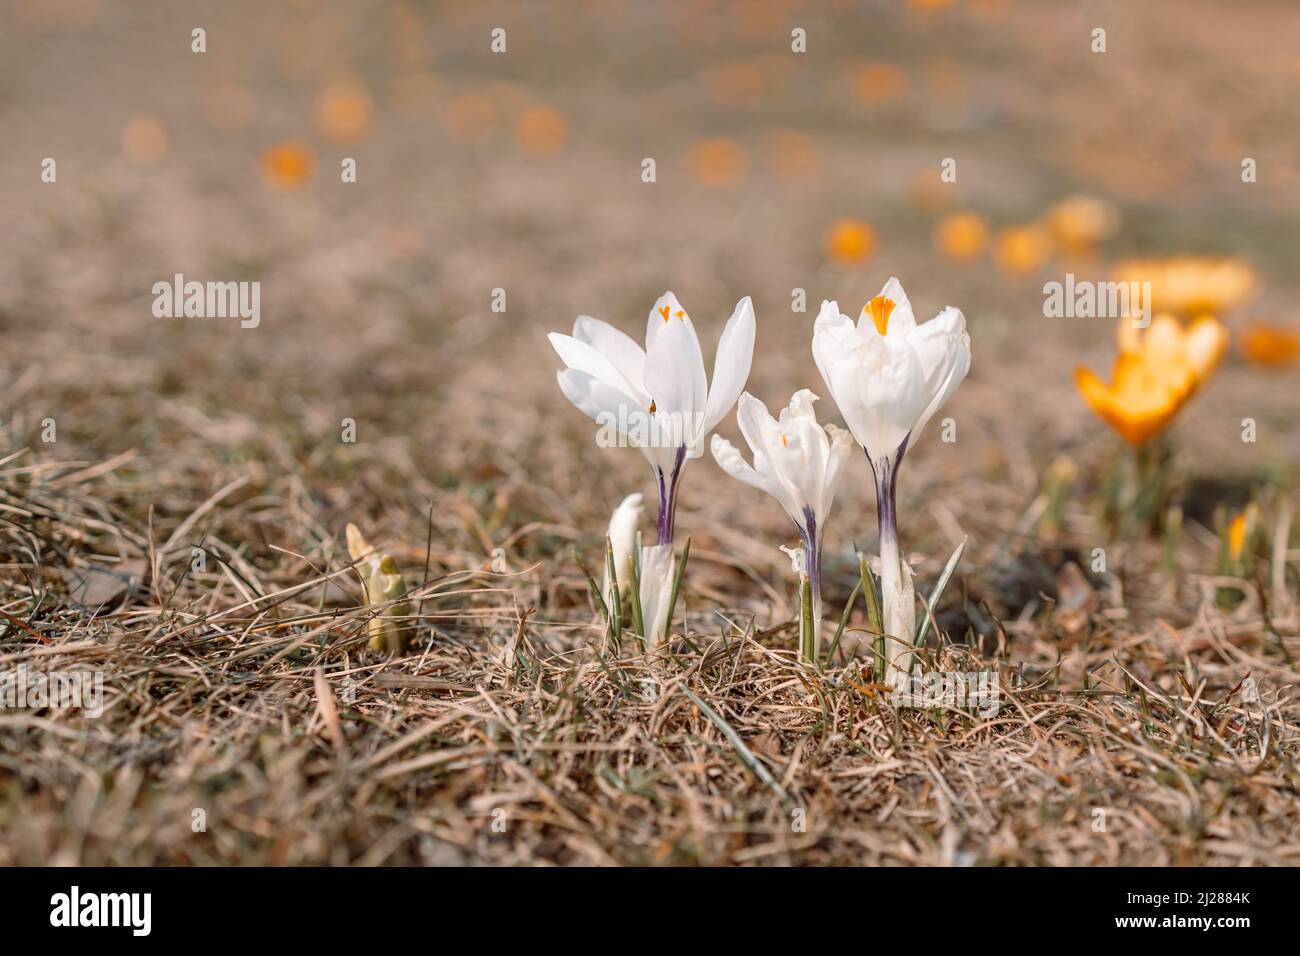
(344, 113)
(718, 162)
(144, 141)
(1023, 249)
(1188, 285)
(1236, 538)
(850, 241)
(1237, 542)
(541, 131)
(1270, 344)
(1156, 373)
(927, 6)
(877, 82)
(288, 165)
(1080, 222)
(962, 236)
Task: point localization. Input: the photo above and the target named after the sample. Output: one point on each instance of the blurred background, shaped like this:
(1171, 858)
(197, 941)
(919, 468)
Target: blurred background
(522, 171)
(127, 440)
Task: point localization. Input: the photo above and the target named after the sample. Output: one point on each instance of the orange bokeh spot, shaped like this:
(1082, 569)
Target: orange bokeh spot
(718, 162)
(878, 82)
(1023, 249)
(144, 141)
(1270, 345)
(962, 237)
(850, 241)
(344, 113)
(542, 131)
(288, 165)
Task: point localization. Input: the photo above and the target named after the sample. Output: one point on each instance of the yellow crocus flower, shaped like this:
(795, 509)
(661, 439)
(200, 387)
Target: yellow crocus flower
(1156, 372)
(1188, 285)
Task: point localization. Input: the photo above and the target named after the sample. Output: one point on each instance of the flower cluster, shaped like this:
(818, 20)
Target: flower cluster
(886, 373)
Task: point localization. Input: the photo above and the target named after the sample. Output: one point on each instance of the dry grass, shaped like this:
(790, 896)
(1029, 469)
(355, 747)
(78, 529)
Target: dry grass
(246, 690)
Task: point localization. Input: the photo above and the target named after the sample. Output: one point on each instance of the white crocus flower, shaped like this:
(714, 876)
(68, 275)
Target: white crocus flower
(658, 571)
(889, 376)
(657, 399)
(623, 526)
(797, 462)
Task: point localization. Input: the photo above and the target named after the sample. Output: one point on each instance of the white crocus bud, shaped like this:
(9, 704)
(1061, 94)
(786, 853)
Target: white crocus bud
(658, 570)
(623, 526)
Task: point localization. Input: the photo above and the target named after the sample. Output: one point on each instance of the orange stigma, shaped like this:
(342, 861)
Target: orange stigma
(880, 309)
(652, 406)
(785, 441)
(663, 310)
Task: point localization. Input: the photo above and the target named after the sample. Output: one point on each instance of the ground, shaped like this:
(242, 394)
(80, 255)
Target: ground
(247, 722)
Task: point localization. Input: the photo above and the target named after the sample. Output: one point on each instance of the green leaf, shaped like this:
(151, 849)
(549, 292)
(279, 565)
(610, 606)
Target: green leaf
(937, 593)
(807, 625)
(844, 621)
(615, 629)
(591, 583)
(638, 622)
(677, 581)
(875, 619)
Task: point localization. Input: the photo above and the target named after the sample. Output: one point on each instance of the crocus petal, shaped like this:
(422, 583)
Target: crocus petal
(674, 375)
(891, 400)
(669, 316)
(875, 381)
(1205, 344)
(618, 347)
(840, 451)
(582, 357)
(729, 460)
(763, 435)
(731, 364)
(943, 348)
(598, 400)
